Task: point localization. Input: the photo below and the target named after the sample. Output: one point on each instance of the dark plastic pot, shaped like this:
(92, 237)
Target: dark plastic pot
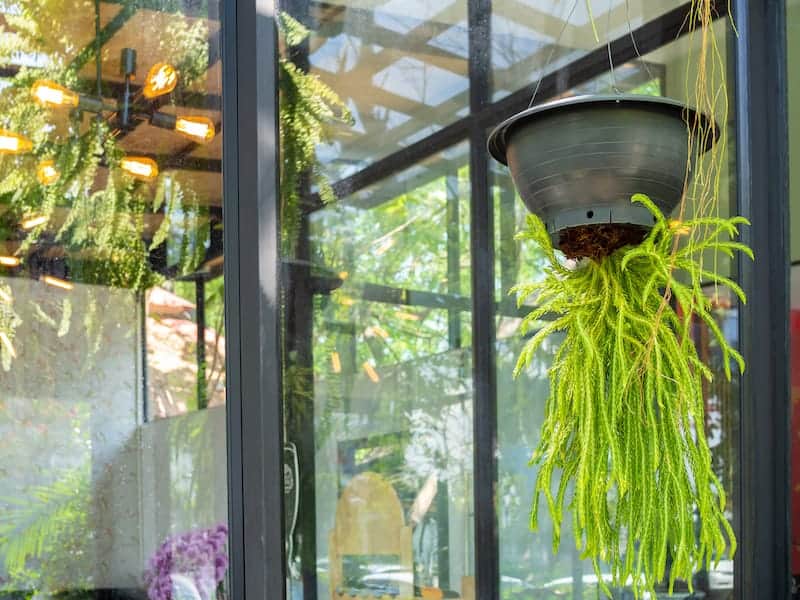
(579, 160)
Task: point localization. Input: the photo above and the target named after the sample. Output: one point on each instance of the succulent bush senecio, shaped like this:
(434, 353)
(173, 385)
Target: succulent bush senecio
(624, 419)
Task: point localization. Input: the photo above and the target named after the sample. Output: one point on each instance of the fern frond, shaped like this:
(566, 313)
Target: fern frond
(625, 395)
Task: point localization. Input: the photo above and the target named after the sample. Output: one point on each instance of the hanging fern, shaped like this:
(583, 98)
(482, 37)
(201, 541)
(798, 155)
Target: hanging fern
(624, 418)
(307, 105)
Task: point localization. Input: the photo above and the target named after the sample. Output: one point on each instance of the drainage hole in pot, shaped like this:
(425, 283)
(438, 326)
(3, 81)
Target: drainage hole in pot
(589, 214)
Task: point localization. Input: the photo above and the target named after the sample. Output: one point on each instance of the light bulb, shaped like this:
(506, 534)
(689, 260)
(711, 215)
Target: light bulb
(56, 282)
(46, 172)
(48, 93)
(198, 129)
(9, 261)
(12, 143)
(161, 79)
(371, 372)
(32, 222)
(139, 167)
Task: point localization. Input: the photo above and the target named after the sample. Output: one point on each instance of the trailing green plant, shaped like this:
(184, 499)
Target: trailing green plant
(624, 420)
(307, 105)
(96, 212)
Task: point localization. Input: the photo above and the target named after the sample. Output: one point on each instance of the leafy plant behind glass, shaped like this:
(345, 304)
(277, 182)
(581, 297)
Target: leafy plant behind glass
(93, 217)
(307, 104)
(94, 211)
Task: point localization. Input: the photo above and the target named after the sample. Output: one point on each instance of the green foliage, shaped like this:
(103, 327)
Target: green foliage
(307, 104)
(624, 419)
(49, 525)
(95, 212)
(402, 243)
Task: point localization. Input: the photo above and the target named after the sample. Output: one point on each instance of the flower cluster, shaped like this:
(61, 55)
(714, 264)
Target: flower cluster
(199, 557)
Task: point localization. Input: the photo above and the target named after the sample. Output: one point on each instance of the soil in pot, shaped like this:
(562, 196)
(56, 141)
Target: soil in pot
(600, 240)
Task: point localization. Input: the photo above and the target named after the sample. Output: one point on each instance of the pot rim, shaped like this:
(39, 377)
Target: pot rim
(498, 139)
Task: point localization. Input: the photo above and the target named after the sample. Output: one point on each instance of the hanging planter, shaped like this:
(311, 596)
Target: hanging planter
(624, 423)
(577, 162)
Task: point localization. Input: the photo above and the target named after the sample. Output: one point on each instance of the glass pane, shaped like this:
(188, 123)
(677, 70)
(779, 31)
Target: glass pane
(663, 73)
(111, 300)
(400, 66)
(533, 38)
(793, 54)
(528, 566)
(378, 381)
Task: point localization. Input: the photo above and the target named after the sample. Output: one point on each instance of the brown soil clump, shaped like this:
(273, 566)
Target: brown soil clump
(598, 241)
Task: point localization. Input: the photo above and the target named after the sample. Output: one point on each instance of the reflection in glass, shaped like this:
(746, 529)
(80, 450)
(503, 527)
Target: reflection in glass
(533, 38)
(401, 68)
(111, 300)
(378, 397)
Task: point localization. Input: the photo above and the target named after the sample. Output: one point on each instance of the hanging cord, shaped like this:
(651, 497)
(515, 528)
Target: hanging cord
(608, 46)
(633, 41)
(552, 52)
(98, 65)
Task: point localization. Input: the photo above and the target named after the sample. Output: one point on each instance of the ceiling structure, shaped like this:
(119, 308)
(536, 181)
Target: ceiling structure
(401, 66)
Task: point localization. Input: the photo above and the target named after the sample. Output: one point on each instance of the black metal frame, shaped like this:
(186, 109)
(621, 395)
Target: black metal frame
(484, 368)
(254, 408)
(255, 435)
(762, 568)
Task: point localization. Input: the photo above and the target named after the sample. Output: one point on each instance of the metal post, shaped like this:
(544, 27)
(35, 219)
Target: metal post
(252, 300)
(762, 502)
(487, 568)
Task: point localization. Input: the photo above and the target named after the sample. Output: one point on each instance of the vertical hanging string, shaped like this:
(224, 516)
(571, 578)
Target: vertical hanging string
(552, 53)
(633, 41)
(608, 46)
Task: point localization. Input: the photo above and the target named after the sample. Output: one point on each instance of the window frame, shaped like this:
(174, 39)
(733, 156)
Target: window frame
(252, 300)
(762, 566)
(254, 405)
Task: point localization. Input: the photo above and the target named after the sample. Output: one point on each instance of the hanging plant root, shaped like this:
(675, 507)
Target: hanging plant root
(618, 447)
(599, 241)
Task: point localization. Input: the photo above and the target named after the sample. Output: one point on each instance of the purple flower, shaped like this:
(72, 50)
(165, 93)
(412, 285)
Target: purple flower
(199, 556)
